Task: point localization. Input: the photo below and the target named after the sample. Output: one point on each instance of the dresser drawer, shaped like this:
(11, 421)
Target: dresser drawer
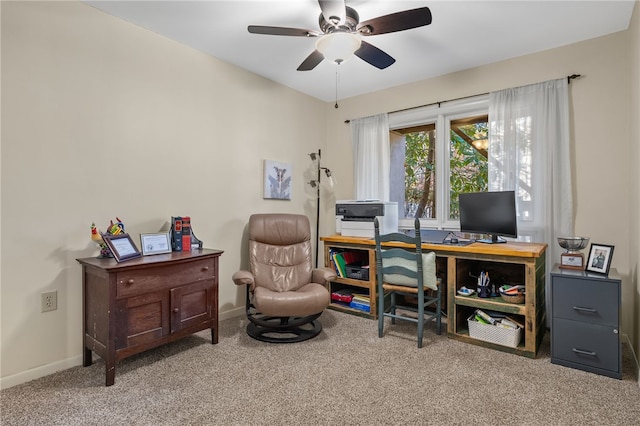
(585, 344)
(139, 281)
(592, 301)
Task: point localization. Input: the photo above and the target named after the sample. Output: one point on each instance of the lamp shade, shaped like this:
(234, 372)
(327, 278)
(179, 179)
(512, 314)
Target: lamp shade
(338, 47)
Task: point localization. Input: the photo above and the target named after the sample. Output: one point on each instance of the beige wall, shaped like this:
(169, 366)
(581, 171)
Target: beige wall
(634, 161)
(96, 114)
(600, 135)
(103, 119)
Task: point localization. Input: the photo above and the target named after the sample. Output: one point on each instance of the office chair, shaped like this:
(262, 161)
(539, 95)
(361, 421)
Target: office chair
(406, 272)
(285, 294)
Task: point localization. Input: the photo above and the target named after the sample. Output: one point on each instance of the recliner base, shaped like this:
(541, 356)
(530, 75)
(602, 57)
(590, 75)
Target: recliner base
(280, 330)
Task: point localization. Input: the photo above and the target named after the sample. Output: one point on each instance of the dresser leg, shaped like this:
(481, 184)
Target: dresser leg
(214, 335)
(86, 357)
(110, 372)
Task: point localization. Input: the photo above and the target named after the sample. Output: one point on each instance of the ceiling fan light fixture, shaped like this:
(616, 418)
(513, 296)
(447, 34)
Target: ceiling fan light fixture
(338, 47)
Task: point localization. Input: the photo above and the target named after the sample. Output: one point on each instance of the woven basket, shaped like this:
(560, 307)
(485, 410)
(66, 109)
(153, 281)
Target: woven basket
(494, 334)
(513, 298)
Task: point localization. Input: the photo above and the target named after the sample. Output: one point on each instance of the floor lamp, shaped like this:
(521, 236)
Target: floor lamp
(316, 157)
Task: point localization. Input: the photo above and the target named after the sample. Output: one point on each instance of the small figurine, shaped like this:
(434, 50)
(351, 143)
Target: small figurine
(96, 237)
(116, 228)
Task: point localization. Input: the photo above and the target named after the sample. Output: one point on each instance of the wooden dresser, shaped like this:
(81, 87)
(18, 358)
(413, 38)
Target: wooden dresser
(139, 304)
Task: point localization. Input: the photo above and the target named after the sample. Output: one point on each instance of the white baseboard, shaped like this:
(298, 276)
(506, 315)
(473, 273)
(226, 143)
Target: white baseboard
(232, 313)
(45, 370)
(38, 372)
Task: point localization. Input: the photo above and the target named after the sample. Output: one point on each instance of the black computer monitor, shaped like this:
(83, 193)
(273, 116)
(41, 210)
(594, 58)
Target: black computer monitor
(492, 213)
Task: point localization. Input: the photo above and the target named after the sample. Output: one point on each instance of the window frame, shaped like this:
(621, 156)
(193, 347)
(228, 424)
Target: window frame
(441, 114)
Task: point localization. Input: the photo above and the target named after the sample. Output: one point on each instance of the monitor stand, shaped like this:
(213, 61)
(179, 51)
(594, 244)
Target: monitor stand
(493, 240)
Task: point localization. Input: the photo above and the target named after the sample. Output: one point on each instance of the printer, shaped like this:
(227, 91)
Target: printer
(355, 218)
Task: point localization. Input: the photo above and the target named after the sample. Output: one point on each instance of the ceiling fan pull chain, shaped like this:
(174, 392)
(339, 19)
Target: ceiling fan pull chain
(336, 105)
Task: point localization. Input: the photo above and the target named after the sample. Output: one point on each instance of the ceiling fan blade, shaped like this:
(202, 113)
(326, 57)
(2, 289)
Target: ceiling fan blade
(398, 21)
(374, 56)
(311, 62)
(334, 11)
(282, 31)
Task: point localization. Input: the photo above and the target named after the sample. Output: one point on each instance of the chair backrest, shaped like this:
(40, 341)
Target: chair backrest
(404, 266)
(280, 251)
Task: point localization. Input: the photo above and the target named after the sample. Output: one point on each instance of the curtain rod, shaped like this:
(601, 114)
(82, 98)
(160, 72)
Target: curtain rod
(569, 78)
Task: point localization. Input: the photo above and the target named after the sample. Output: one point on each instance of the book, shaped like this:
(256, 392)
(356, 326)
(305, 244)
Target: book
(353, 257)
(362, 298)
(333, 262)
(340, 265)
(176, 233)
(360, 306)
(186, 233)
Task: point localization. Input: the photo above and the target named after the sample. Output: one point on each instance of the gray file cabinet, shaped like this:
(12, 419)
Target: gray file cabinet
(585, 321)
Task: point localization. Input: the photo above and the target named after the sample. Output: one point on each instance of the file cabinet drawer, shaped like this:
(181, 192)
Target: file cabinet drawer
(586, 344)
(593, 301)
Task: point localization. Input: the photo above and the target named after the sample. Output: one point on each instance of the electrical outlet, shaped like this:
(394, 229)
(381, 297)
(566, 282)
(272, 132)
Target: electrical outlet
(49, 301)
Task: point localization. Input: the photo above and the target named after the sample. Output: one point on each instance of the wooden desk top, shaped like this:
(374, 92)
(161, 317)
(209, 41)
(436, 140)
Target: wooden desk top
(513, 249)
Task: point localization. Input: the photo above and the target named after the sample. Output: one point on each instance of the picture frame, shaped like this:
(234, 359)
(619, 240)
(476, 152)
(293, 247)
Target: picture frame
(599, 260)
(155, 243)
(277, 180)
(122, 247)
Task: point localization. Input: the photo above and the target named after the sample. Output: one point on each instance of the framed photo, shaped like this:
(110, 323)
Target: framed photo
(155, 243)
(122, 247)
(599, 260)
(277, 180)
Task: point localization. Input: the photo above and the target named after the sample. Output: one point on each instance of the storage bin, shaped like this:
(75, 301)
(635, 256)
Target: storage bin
(358, 272)
(493, 334)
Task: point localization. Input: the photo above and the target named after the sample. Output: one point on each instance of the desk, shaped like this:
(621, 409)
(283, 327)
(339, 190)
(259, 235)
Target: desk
(513, 262)
(130, 307)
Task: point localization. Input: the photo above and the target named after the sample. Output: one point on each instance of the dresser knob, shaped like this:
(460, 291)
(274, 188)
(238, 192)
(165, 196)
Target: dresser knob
(130, 282)
(176, 310)
(206, 268)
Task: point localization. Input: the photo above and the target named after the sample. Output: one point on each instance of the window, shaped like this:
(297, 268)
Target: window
(438, 152)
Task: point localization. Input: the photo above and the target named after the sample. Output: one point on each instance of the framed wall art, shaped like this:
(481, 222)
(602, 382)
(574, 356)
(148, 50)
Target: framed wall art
(277, 180)
(599, 260)
(122, 247)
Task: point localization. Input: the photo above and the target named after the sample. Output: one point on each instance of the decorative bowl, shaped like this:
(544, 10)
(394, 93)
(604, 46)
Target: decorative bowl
(464, 291)
(573, 244)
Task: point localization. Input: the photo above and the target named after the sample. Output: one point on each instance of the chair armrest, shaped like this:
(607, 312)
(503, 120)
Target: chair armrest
(244, 277)
(322, 275)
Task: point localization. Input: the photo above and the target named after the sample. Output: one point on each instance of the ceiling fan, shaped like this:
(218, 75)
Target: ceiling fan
(341, 31)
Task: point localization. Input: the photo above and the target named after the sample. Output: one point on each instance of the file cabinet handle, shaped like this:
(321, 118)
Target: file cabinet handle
(581, 352)
(581, 309)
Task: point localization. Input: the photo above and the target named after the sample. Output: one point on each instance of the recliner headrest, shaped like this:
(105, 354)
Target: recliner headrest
(280, 229)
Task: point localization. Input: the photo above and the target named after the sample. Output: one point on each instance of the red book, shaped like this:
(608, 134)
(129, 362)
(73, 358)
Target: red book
(186, 233)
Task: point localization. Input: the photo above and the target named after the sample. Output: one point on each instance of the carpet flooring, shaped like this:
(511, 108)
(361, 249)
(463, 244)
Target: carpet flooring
(345, 376)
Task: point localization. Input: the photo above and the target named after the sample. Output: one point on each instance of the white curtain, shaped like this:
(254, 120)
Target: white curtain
(371, 157)
(529, 153)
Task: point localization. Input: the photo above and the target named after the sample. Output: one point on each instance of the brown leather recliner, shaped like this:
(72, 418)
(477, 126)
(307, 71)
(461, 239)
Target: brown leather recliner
(285, 294)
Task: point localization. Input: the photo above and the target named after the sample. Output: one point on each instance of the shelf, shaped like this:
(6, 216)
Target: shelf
(352, 282)
(463, 335)
(342, 307)
(495, 304)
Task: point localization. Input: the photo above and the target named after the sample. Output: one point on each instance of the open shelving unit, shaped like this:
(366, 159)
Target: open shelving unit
(513, 263)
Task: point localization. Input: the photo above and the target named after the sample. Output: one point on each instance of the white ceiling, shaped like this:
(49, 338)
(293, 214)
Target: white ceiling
(463, 34)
